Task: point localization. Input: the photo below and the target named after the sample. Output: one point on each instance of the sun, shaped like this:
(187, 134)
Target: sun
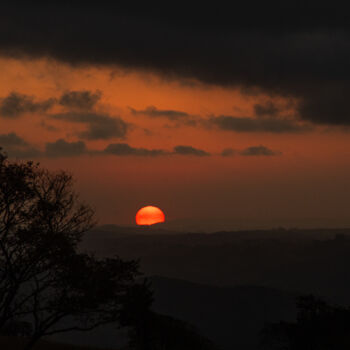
(149, 215)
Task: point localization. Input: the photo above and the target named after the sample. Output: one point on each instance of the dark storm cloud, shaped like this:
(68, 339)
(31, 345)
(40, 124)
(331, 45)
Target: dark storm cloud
(84, 99)
(16, 104)
(190, 151)
(299, 50)
(99, 126)
(123, 149)
(259, 151)
(15, 146)
(328, 104)
(266, 124)
(267, 109)
(62, 148)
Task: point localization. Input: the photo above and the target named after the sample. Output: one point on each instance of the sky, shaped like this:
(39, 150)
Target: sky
(223, 118)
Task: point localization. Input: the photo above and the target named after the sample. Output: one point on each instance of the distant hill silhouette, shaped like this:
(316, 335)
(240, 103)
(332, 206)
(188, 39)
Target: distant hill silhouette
(277, 265)
(123, 231)
(231, 317)
(304, 261)
(166, 228)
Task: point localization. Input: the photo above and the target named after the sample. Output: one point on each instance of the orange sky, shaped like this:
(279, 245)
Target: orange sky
(304, 184)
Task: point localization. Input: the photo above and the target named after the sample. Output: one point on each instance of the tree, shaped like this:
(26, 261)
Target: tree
(319, 326)
(153, 331)
(44, 280)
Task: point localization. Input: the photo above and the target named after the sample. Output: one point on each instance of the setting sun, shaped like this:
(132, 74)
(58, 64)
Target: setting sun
(149, 215)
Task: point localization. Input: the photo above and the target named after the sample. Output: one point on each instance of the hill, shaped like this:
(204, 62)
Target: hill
(305, 261)
(231, 317)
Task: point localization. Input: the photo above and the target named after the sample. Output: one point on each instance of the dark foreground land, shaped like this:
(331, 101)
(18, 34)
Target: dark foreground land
(299, 261)
(231, 317)
(229, 284)
(15, 343)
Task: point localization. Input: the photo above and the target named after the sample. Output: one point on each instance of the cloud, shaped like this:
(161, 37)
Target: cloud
(84, 100)
(244, 124)
(15, 146)
(179, 117)
(299, 50)
(259, 151)
(48, 127)
(11, 139)
(99, 126)
(153, 112)
(16, 104)
(190, 151)
(62, 148)
(328, 103)
(267, 109)
(123, 149)
(228, 152)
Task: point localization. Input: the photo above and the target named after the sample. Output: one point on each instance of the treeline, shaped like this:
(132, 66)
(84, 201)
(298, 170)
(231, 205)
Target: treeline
(319, 326)
(48, 286)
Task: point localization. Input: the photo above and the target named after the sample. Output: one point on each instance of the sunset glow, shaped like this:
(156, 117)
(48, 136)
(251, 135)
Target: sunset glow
(237, 138)
(149, 215)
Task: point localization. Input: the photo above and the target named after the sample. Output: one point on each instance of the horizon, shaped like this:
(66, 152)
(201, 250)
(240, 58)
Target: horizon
(177, 228)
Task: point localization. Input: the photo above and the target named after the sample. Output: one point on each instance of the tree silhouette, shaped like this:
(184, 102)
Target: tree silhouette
(319, 326)
(153, 331)
(44, 280)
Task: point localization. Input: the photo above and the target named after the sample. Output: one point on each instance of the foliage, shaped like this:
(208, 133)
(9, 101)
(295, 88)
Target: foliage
(153, 331)
(43, 279)
(319, 326)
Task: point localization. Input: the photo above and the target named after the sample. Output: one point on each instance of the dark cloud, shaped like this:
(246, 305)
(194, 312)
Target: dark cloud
(243, 124)
(48, 127)
(267, 109)
(299, 50)
(11, 139)
(259, 151)
(28, 152)
(179, 117)
(16, 104)
(84, 99)
(328, 104)
(99, 126)
(62, 148)
(153, 112)
(123, 149)
(228, 152)
(15, 146)
(190, 151)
